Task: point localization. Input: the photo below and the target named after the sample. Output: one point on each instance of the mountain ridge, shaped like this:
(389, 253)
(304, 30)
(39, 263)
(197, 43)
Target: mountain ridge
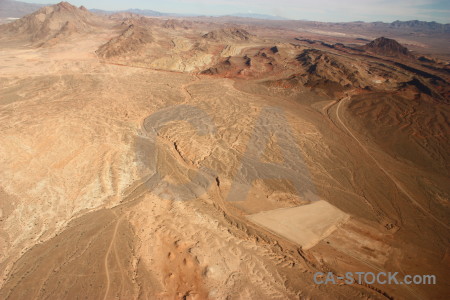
(12, 8)
(53, 23)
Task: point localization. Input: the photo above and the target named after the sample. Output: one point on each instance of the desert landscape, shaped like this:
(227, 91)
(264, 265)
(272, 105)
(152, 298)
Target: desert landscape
(220, 158)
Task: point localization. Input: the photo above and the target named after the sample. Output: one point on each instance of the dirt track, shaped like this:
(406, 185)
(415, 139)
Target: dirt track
(388, 174)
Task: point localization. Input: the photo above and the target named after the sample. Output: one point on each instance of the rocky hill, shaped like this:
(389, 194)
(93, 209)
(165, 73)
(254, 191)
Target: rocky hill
(62, 19)
(229, 34)
(131, 40)
(386, 47)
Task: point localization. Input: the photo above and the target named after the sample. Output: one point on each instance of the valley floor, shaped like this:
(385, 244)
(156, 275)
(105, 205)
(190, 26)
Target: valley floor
(115, 182)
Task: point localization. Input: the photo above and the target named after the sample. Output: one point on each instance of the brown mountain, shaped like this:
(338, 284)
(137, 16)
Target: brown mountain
(386, 47)
(229, 34)
(51, 22)
(132, 40)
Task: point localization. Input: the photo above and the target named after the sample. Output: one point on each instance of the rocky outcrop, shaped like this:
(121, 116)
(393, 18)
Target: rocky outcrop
(132, 40)
(386, 47)
(229, 34)
(62, 19)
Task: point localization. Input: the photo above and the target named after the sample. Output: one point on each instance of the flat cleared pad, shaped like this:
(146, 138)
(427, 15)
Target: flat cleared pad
(305, 225)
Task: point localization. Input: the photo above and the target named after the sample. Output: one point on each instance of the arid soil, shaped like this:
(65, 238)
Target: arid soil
(144, 158)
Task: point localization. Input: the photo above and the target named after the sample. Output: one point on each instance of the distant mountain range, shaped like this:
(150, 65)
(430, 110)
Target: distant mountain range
(258, 16)
(17, 9)
(153, 13)
(143, 12)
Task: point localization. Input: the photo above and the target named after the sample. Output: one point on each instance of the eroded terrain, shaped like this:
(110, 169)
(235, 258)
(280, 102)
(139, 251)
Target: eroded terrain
(146, 158)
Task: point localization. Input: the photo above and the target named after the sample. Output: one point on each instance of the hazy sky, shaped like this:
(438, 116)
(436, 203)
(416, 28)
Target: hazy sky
(317, 10)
